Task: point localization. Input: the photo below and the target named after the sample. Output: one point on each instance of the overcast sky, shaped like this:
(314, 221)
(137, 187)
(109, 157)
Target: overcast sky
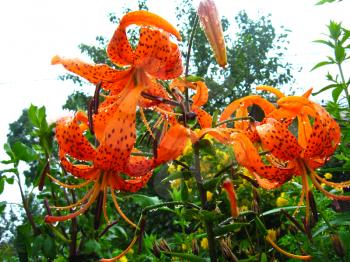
(32, 31)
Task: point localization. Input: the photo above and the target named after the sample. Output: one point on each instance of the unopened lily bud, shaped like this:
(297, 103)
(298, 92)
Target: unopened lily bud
(231, 194)
(338, 246)
(156, 250)
(163, 246)
(211, 24)
(195, 247)
(227, 252)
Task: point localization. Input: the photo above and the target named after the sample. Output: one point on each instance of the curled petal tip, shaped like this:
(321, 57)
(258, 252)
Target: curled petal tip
(55, 60)
(211, 24)
(146, 18)
(49, 219)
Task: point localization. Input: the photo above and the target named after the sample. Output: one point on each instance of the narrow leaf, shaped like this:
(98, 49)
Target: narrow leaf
(321, 64)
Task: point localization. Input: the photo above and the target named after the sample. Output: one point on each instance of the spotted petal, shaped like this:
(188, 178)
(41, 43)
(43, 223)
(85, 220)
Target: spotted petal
(276, 138)
(70, 138)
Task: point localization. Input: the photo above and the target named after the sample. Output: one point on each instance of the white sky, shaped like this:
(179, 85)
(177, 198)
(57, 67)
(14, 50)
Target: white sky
(32, 31)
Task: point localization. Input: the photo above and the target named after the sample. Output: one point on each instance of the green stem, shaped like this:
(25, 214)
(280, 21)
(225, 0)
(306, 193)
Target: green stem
(170, 203)
(203, 198)
(188, 60)
(26, 208)
(234, 120)
(344, 83)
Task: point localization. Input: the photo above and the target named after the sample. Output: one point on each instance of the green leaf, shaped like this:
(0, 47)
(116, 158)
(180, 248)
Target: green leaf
(187, 257)
(24, 152)
(263, 257)
(2, 206)
(32, 114)
(278, 210)
(334, 30)
(144, 201)
(322, 64)
(2, 185)
(325, 88)
(336, 93)
(10, 170)
(330, 44)
(10, 180)
(229, 228)
(346, 36)
(340, 54)
(260, 225)
(92, 246)
(193, 78)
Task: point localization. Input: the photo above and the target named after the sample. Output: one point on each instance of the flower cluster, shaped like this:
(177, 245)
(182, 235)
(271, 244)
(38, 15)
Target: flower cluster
(268, 149)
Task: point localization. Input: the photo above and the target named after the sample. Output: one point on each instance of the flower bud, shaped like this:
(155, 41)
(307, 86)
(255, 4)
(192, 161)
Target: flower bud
(211, 24)
(338, 246)
(231, 194)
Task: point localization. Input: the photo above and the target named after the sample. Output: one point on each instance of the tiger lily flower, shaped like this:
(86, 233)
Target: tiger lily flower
(107, 164)
(155, 57)
(199, 99)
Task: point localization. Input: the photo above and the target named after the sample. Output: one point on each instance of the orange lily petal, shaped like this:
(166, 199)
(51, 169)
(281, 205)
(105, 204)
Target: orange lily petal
(158, 55)
(71, 139)
(139, 166)
(119, 134)
(304, 129)
(247, 155)
(242, 112)
(172, 144)
(201, 96)
(245, 102)
(130, 185)
(204, 119)
(276, 138)
(78, 170)
(94, 73)
(271, 89)
(119, 49)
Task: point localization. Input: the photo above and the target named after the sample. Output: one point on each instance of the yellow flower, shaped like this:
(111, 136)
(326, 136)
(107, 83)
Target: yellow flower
(328, 176)
(184, 247)
(123, 259)
(188, 148)
(272, 234)
(205, 166)
(171, 169)
(209, 195)
(281, 201)
(204, 243)
(243, 208)
(175, 183)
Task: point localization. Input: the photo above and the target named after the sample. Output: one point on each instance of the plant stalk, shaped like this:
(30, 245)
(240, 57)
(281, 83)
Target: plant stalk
(345, 85)
(203, 198)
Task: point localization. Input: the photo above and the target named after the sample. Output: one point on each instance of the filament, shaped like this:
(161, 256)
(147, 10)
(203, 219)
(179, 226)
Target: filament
(104, 205)
(122, 253)
(121, 213)
(328, 194)
(144, 120)
(275, 246)
(79, 202)
(67, 185)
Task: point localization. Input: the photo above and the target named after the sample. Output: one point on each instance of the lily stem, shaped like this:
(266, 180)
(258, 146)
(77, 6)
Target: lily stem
(188, 60)
(344, 83)
(203, 198)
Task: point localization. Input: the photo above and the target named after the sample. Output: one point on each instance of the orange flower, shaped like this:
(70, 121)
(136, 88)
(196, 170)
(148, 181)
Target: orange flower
(155, 57)
(210, 20)
(106, 164)
(198, 100)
